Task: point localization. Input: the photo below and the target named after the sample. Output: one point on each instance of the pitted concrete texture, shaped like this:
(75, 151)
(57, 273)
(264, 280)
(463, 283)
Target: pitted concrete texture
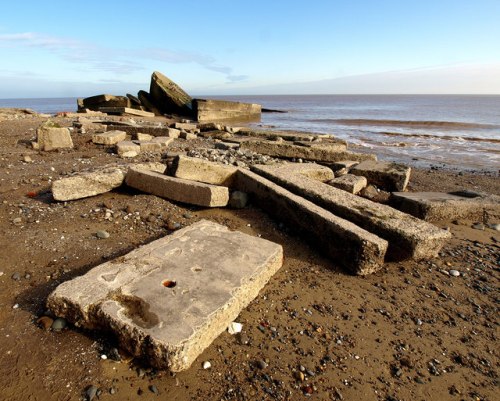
(51, 137)
(352, 247)
(435, 206)
(109, 138)
(386, 175)
(126, 110)
(168, 300)
(321, 152)
(224, 110)
(87, 184)
(286, 135)
(168, 97)
(408, 236)
(191, 168)
(177, 189)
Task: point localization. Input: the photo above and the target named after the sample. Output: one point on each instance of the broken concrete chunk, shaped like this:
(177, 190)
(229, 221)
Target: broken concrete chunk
(435, 206)
(177, 189)
(185, 126)
(126, 110)
(147, 102)
(407, 235)
(164, 141)
(352, 247)
(94, 102)
(149, 146)
(224, 110)
(127, 148)
(88, 184)
(349, 182)
(109, 138)
(210, 127)
(168, 97)
(386, 175)
(191, 168)
(328, 152)
(226, 145)
(187, 135)
(168, 300)
(50, 137)
(143, 137)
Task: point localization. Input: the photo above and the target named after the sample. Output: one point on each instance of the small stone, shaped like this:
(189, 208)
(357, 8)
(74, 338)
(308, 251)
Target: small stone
(17, 220)
(90, 392)
(454, 273)
(101, 234)
(261, 364)
(478, 226)
(299, 376)
(104, 357)
(112, 390)
(45, 322)
(207, 365)
(59, 324)
(15, 306)
(495, 227)
(27, 159)
(172, 225)
(153, 389)
(243, 339)
(16, 276)
(234, 328)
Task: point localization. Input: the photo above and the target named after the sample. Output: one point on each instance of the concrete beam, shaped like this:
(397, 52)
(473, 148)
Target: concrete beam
(408, 236)
(223, 110)
(177, 189)
(168, 300)
(109, 137)
(355, 249)
(191, 168)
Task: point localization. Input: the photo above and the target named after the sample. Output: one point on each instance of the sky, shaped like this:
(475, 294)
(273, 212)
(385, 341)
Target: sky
(218, 47)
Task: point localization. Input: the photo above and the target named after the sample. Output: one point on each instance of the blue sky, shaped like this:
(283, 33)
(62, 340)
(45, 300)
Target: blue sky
(61, 48)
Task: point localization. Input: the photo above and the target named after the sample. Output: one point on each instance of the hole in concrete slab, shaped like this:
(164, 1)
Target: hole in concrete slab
(169, 283)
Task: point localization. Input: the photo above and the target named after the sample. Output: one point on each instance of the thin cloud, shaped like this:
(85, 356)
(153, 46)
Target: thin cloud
(117, 60)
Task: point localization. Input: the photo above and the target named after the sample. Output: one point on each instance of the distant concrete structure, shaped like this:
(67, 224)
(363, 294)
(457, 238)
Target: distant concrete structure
(224, 110)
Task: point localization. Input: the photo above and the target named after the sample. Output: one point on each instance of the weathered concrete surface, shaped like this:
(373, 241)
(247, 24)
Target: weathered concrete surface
(286, 135)
(154, 131)
(349, 182)
(177, 189)
(87, 184)
(51, 137)
(407, 235)
(187, 135)
(127, 149)
(147, 102)
(224, 110)
(192, 168)
(328, 152)
(352, 247)
(126, 110)
(386, 175)
(94, 102)
(435, 206)
(168, 97)
(168, 300)
(164, 141)
(149, 146)
(109, 137)
(142, 137)
(185, 126)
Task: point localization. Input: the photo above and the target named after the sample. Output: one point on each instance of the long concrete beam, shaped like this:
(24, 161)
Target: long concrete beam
(408, 236)
(352, 247)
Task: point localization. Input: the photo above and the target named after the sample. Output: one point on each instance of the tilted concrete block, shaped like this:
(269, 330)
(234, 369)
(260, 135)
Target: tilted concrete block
(168, 300)
(385, 175)
(169, 97)
(109, 137)
(407, 235)
(177, 189)
(127, 147)
(191, 168)
(354, 248)
(349, 183)
(51, 137)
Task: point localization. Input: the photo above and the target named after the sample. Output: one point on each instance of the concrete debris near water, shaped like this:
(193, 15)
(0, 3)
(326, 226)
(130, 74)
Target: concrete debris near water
(168, 300)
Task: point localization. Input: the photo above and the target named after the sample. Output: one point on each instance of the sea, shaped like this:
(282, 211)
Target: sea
(449, 131)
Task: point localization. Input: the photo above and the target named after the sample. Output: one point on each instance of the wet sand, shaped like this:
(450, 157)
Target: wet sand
(408, 332)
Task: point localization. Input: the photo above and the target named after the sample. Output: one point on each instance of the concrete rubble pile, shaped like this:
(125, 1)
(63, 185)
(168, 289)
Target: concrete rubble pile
(168, 300)
(165, 97)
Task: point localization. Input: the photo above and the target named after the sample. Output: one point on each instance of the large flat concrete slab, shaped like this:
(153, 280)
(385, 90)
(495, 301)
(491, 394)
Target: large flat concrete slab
(177, 189)
(348, 245)
(126, 110)
(435, 206)
(386, 175)
(168, 97)
(408, 236)
(191, 168)
(326, 153)
(168, 300)
(224, 110)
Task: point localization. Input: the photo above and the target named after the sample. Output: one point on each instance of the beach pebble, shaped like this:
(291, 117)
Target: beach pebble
(207, 365)
(45, 322)
(102, 234)
(59, 324)
(261, 364)
(15, 306)
(234, 328)
(478, 226)
(454, 273)
(153, 389)
(90, 392)
(16, 276)
(495, 227)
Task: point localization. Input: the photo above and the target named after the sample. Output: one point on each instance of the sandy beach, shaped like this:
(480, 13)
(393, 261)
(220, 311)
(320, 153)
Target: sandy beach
(411, 331)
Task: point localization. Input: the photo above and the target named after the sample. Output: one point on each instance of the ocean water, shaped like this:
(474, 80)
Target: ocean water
(457, 131)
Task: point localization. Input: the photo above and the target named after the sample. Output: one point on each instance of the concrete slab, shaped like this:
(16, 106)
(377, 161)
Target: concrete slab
(149, 146)
(109, 137)
(385, 175)
(94, 102)
(140, 136)
(192, 168)
(349, 183)
(435, 206)
(185, 126)
(126, 110)
(169, 97)
(286, 135)
(408, 236)
(164, 141)
(352, 247)
(127, 148)
(328, 152)
(224, 110)
(177, 189)
(168, 300)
